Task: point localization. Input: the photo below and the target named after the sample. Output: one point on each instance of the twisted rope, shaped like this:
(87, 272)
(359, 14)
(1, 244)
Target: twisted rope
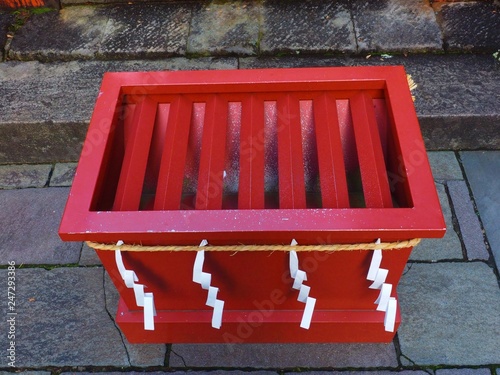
(235, 248)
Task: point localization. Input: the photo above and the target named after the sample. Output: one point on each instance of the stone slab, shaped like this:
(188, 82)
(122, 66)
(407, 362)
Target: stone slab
(483, 173)
(464, 371)
(61, 320)
(456, 99)
(470, 26)
(63, 174)
(194, 372)
(145, 31)
(450, 314)
(448, 247)
(470, 228)
(224, 28)
(283, 355)
(89, 257)
(140, 355)
(45, 108)
(72, 33)
(104, 32)
(395, 26)
(374, 372)
(310, 26)
(24, 176)
(444, 165)
(29, 219)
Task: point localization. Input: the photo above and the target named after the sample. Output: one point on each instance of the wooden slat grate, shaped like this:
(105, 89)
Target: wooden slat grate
(308, 139)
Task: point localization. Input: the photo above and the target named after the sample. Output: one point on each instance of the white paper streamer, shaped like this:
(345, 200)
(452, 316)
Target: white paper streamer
(119, 263)
(379, 278)
(384, 301)
(375, 263)
(139, 294)
(390, 315)
(149, 312)
(299, 277)
(141, 299)
(384, 296)
(204, 279)
(308, 311)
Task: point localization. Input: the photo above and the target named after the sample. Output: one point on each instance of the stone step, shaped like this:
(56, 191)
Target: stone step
(253, 28)
(46, 108)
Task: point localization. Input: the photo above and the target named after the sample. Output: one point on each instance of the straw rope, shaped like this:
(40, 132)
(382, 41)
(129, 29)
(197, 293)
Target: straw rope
(236, 248)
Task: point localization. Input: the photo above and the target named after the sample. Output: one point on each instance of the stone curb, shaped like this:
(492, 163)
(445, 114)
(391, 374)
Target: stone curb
(47, 106)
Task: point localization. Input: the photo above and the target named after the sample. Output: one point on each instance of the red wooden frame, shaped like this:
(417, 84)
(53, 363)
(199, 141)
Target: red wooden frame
(253, 224)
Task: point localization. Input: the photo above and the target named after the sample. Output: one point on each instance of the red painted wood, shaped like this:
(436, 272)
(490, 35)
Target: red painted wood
(371, 158)
(313, 129)
(290, 157)
(251, 326)
(129, 189)
(171, 173)
(337, 280)
(251, 183)
(334, 193)
(211, 174)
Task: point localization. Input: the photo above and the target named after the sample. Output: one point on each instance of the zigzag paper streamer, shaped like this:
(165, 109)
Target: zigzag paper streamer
(384, 301)
(204, 279)
(142, 299)
(299, 277)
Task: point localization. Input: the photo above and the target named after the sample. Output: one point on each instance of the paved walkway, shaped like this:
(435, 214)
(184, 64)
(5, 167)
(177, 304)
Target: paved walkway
(449, 294)
(49, 79)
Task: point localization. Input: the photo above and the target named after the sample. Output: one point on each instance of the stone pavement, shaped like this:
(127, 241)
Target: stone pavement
(50, 76)
(449, 293)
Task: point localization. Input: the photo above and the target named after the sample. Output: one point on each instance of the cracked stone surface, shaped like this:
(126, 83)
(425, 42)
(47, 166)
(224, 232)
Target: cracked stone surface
(395, 25)
(448, 247)
(468, 221)
(145, 31)
(471, 26)
(376, 372)
(140, 355)
(29, 219)
(483, 172)
(450, 314)
(89, 257)
(233, 28)
(61, 320)
(464, 371)
(63, 174)
(444, 165)
(194, 372)
(72, 33)
(315, 26)
(24, 176)
(283, 355)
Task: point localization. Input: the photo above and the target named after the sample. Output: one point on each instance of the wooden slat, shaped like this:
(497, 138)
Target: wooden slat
(332, 175)
(129, 189)
(371, 158)
(251, 183)
(211, 173)
(173, 159)
(290, 158)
